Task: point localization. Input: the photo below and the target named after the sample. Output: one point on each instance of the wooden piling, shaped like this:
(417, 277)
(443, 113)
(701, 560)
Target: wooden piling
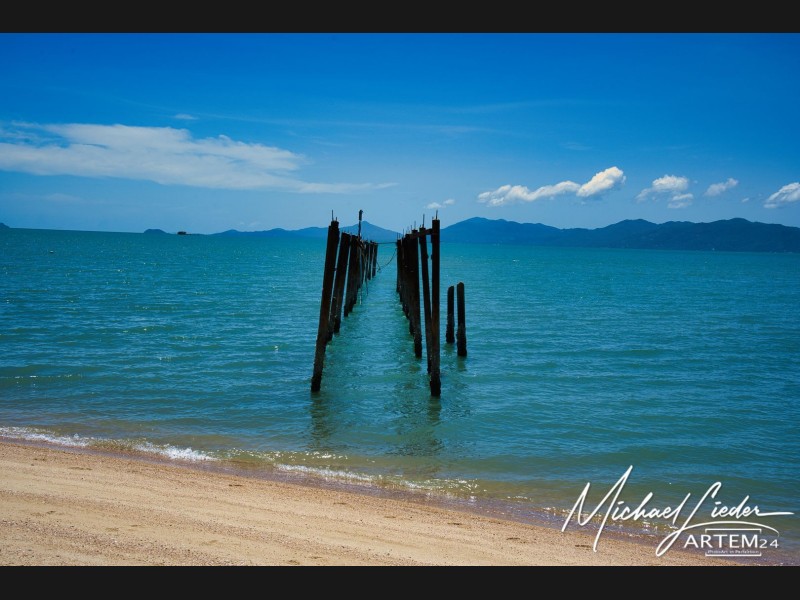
(426, 291)
(325, 305)
(411, 288)
(461, 335)
(450, 328)
(436, 384)
(338, 286)
(414, 310)
(398, 252)
(352, 276)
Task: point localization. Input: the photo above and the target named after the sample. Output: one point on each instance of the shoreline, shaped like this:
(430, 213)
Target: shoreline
(73, 506)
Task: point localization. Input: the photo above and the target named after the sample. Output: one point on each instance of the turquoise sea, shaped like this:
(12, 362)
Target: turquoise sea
(581, 363)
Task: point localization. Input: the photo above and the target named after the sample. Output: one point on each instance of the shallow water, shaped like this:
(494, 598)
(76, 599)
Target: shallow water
(582, 363)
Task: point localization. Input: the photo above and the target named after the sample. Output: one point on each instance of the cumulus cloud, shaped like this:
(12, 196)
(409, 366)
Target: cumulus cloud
(680, 201)
(786, 195)
(508, 194)
(601, 182)
(164, 155)
(437, 205)
(670, 186)
(715, 189)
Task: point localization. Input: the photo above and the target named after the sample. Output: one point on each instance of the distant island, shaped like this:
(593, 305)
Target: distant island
(162, 232)
(368, 232)
(731, 235)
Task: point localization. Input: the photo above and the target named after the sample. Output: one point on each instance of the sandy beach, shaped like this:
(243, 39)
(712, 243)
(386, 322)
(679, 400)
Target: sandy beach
(67, 507)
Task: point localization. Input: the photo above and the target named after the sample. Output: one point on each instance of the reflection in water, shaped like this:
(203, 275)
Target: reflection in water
(416, 421)
(371, 370)
(321, 426)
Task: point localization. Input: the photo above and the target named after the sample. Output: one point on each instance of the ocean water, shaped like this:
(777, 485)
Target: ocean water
(581, 363)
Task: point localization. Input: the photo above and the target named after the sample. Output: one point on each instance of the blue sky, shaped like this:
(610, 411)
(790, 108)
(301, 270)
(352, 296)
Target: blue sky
(208, 132)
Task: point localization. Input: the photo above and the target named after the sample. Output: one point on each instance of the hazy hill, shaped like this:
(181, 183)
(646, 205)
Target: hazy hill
(730, 235)
(368, 232)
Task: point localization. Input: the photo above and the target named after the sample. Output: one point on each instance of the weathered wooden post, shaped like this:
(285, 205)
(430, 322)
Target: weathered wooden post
(461, 335)
(338, 286)
(426, 291)
(413, 263)
(325, 305)
(368, 261)
(373, 247)
(436, 383)
(400, 266)
(449, 334)
(352, 275)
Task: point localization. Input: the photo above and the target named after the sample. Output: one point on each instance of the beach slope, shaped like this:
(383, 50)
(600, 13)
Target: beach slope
(67, 507)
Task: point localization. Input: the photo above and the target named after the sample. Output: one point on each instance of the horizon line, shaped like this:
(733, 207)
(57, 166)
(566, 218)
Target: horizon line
(4, 225)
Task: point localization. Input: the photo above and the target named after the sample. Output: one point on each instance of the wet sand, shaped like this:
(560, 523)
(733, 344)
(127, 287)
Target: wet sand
(70, 507)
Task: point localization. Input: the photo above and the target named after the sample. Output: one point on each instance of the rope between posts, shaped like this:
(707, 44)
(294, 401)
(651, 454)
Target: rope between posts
(391, 258)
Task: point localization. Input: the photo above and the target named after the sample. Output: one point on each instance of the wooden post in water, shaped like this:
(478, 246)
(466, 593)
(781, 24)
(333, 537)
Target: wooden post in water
(325, 305)
(368, 261)
(373, 247)
(449, 334)
(352, 275)
(338, 286)
(436, 383)
(426, 291)
(411, 285)
(461, 335)
(402, 287)
(400, 266)
(413, 263)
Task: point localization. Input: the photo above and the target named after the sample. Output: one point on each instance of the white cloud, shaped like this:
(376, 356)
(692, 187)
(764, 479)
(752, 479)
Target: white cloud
(161, 154)
(715, 189)
(680, 201)
(671, 186)
(599, 184)
(508, 194)
(437, 205)
(786, 195)
(602, 182)
(185, 117)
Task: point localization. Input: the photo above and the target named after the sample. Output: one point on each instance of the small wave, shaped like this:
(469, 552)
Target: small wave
(36, 435)
(173, 452)
(337, 475)
(30, 434)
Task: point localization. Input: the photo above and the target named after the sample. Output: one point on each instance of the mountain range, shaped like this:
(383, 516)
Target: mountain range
(727, 235)
(733, 235)
(368, 232)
